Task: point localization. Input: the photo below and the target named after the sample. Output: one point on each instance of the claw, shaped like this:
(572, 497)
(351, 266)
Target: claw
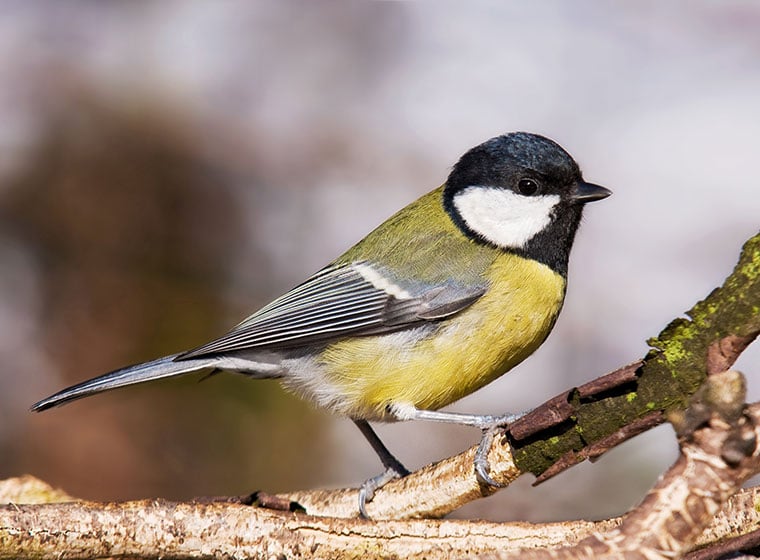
(365, 495)
(369, 486)
(482, 469)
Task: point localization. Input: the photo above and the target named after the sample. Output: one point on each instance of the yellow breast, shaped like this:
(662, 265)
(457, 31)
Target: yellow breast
(430, 368)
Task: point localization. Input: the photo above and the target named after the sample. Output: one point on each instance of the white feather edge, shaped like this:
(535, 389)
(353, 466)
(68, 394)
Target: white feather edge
(380, 282)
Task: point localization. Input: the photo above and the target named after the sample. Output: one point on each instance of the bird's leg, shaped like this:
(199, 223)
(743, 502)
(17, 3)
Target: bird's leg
(487, 423)
(393, 467)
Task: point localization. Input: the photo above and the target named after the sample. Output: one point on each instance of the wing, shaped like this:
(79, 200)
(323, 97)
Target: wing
(355, 299)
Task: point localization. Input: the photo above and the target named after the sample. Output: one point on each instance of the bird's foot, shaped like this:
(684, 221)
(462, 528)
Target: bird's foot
(491, 426)
(370, 486)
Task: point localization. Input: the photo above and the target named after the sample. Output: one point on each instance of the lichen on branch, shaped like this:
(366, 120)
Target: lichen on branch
(708, 340)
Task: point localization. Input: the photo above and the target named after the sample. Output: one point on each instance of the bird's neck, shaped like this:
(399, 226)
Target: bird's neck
(552, 245)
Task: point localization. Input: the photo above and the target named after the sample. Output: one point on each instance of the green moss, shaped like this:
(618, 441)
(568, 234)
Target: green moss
(752, 268)
(674, 352)
(630, 397)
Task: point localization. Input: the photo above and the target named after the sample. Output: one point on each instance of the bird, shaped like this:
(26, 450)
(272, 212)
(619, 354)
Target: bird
(444, 297)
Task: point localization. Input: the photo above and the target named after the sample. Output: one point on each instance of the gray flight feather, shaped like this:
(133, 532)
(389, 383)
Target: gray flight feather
(157, 369)
(337, 302)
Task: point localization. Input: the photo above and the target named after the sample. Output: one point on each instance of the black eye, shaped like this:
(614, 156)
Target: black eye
(528, 187)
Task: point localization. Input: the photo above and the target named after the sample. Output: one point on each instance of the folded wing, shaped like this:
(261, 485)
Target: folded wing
(356, 299)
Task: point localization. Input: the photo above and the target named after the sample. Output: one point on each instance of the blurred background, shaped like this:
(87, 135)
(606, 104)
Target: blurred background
(168, 167)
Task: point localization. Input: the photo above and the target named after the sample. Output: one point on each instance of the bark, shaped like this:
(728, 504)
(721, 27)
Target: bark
(718, 452)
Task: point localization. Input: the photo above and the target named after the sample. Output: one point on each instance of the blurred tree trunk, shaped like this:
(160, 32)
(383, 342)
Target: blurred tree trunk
(136, 232)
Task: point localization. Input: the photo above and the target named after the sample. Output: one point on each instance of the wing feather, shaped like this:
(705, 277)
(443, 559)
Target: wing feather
(336, 302)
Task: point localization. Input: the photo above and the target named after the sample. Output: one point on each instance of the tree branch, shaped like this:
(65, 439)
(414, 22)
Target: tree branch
(589, 419)
(718, 452)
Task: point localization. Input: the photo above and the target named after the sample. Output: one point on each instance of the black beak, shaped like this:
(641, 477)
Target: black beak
(588, 192)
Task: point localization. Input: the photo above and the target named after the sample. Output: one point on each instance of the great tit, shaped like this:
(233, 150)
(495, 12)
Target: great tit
(444, 297)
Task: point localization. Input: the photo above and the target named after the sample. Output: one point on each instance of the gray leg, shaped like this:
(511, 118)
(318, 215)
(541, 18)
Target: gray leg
(489, 425)
(483, 422)
(393, 467)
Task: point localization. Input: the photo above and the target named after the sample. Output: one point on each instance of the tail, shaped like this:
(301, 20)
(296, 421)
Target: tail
(147, 371)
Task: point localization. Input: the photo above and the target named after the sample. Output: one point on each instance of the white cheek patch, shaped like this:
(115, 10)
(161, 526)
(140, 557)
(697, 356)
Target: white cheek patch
(503, 217)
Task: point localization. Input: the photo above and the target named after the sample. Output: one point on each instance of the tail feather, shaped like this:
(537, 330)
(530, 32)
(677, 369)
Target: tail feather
(147, 371)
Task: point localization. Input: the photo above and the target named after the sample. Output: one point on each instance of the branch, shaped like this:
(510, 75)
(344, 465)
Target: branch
(587, 421)
(718, 452)
(95, 530)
